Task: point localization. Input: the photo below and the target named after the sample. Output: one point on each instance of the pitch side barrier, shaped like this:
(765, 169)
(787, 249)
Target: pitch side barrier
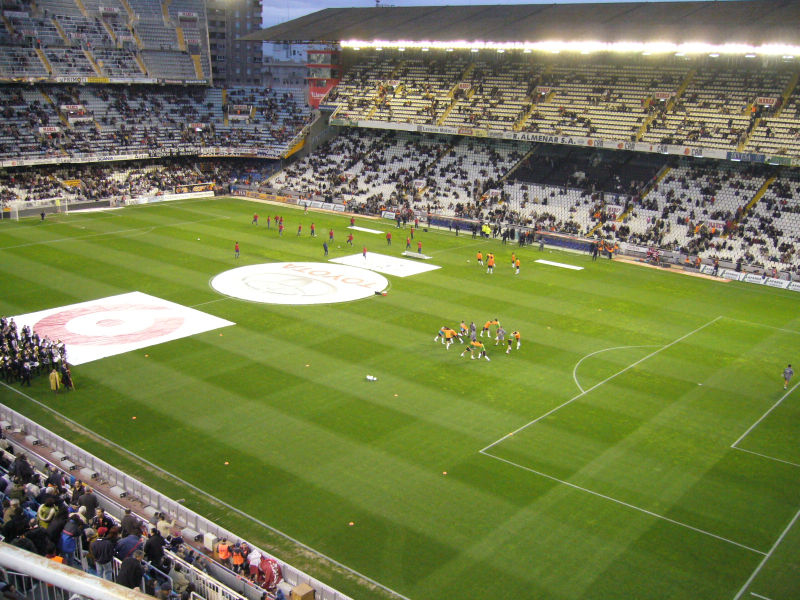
(89, 467)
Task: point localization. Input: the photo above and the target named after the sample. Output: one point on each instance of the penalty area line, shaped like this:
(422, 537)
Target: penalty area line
(764, 416)
(626, 504)
(766, 558)
(208, 495)
(597, 385)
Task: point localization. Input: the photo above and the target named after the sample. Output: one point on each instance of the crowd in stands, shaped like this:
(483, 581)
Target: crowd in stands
(55, 515)
(697, 208)
(64, 121)
(704, 103)
(78, 183)
(74, 39)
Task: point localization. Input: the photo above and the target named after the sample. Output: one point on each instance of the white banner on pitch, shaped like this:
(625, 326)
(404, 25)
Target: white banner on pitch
(117, 324)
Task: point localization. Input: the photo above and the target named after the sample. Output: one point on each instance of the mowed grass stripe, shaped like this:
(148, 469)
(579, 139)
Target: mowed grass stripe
(322, 444)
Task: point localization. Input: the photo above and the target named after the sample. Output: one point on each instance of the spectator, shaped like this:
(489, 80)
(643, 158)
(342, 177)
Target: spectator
(131, 571)
(179, 580)
(88, 500)
(103, 551)
(154, 548)
(127, 545)
(130, 524)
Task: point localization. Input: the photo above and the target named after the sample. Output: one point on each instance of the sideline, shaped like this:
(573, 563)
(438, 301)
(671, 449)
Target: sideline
(208, 495)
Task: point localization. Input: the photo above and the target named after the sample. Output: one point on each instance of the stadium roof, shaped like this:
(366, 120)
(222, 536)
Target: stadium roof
(751, 22)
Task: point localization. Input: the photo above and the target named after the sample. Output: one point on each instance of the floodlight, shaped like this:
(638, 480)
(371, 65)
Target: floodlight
(474, 50)
(714, 55)
(401, 49)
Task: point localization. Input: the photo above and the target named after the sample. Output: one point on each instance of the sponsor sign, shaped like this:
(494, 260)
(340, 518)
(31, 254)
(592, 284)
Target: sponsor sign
(663, 95)
(767, 100)
(716, 224)
(185, 14)
(317, 92)
(51, 129)
(725, 273)
(109, 10)
(464, 86)
(419, 183)
(388, 214)
(543, 89)
(778, 283)
(73, 107)
(299, 283)
(613, 210)
(390, 265)
(746, 156)
(117, 324)
(753, 278)
(794, 286)
(199, 187)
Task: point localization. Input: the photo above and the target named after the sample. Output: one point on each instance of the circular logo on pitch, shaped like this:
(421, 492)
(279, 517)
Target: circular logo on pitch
(299, 283)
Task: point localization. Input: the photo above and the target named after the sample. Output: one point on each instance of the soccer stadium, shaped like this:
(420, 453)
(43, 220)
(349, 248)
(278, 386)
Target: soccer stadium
(493, 302)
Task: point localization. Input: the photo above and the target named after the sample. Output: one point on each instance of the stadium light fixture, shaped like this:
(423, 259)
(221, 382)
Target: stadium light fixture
(424, 49)
(714, 55)
(586, 47)
(474, 50)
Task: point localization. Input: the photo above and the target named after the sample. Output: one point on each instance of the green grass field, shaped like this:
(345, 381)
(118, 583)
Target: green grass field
(626, 476)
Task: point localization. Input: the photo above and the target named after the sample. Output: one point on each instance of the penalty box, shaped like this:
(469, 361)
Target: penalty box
(656, 435)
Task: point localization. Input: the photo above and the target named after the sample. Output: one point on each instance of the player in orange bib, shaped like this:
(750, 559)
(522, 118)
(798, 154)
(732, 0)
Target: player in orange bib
(487, 326)
(479, 257)
(490, 263)
(516, 266)
(476, 346)
(514, 336)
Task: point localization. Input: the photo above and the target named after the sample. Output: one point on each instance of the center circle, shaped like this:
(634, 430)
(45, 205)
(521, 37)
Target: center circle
(299, 283)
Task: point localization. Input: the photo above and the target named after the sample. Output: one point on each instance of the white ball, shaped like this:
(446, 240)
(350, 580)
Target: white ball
(198, 239)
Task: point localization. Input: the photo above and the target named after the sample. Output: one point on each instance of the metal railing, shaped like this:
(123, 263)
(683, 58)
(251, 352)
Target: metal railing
(91, 466)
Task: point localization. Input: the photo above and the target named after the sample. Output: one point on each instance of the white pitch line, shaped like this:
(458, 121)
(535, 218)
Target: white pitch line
(753, 323)
(597, 385)
(767, 456)
(91, 235)
(578, 364)
(766, 557)
(626, 504)
(759, 596)
(210, 302)
(208, 495)
(771, 408)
